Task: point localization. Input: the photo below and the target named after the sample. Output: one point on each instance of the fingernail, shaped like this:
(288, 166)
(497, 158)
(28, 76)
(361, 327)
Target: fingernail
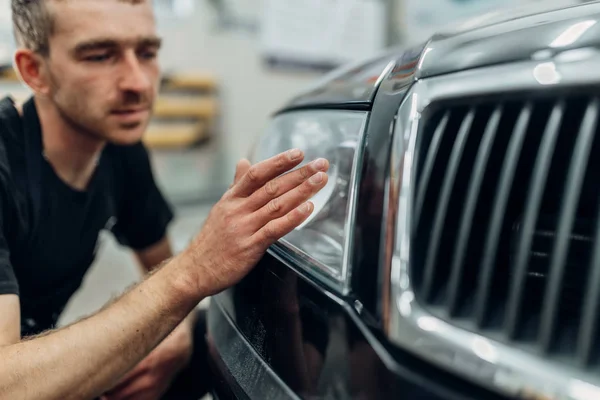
(305, 208)
(317, 178)
(320, 163)
(295, 154)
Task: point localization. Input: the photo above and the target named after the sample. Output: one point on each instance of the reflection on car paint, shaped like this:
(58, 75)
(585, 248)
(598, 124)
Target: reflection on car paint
(314, 345)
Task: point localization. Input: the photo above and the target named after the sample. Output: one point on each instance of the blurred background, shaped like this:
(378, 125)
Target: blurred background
(228, 65)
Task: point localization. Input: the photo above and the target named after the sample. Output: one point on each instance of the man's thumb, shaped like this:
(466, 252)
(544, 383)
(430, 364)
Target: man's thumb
(242, 167)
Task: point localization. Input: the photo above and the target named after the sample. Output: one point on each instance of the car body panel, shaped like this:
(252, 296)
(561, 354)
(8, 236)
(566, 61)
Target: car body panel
(518, 39)
(353, 86)
(371, 194)
(279, 336)
(538, 31)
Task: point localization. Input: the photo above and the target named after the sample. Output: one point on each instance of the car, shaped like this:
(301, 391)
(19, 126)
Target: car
(455, 251)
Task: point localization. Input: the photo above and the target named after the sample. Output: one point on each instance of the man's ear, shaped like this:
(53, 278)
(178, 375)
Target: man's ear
(32, 70)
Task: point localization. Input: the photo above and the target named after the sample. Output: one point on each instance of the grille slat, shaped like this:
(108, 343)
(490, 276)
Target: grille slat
(502, 196)
(469, 211)
(442, 207)
(591, 308)
(568, 211)
(429, 162)
(532, 210)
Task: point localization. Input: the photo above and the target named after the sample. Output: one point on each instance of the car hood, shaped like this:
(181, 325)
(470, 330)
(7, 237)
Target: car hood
(521, 34)
(539, 30)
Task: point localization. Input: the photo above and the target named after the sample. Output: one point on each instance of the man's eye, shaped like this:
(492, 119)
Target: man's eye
(97, 57)
(148, 55)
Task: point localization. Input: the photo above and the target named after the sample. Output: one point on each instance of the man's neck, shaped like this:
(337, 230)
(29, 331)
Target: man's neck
(73, 155)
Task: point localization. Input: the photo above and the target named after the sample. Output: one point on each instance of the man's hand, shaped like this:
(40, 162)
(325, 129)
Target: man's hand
(265, 203)
(152, 377)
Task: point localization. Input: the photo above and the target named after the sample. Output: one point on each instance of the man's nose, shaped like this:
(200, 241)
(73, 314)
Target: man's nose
(133, 77)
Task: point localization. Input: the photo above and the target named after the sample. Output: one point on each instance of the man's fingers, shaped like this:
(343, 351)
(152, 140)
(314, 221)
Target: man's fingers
(259, 174)
(132, 375)
(242, 167)
(285, 183)
(131, 380)
(278, 228)
(136, 386)
(147, 395)
(282, 205)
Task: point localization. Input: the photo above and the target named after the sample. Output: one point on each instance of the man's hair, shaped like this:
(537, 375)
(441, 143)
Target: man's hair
(33, 23)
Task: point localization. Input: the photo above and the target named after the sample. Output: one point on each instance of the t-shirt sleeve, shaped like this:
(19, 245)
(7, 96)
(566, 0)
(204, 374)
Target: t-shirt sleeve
(8, 279)
(143, 213)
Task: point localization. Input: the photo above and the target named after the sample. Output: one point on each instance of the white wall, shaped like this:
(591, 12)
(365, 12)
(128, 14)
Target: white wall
(6, 41)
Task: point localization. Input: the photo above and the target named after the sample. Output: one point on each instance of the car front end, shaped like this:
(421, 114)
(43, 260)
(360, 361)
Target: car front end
(454, 253)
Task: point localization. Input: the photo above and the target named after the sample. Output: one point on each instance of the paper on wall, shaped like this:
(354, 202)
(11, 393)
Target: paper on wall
(322, 32)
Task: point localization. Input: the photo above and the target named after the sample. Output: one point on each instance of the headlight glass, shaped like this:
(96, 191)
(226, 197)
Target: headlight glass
(335, 135)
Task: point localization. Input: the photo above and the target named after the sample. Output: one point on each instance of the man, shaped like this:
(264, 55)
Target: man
(71, 164)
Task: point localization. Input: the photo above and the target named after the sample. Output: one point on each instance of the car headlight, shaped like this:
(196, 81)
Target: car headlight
(322, 240)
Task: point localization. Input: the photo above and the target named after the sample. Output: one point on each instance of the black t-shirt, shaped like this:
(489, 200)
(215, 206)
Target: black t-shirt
(49, 231)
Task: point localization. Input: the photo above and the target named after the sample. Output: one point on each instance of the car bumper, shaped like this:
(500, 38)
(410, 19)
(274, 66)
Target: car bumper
(278, 336)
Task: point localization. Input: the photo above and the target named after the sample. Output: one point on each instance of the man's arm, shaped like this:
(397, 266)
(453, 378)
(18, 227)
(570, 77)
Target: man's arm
(152, 377)
(82, 360)
(10, 319)
(78, 361)
(153, 256)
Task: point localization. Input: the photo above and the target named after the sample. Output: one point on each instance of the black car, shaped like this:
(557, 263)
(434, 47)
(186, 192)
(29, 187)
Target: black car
(455, 252)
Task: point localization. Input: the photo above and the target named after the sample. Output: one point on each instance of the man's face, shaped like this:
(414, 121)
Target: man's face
(103, 66)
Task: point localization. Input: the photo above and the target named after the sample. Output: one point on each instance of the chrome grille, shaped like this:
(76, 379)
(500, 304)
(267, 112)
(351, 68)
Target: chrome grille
(505, 234)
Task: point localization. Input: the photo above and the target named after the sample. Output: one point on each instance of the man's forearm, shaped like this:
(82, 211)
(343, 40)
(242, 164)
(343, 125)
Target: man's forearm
(153, 257)
(81, 360)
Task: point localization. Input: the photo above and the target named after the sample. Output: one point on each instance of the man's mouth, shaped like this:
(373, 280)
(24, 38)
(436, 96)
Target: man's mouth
(129, 111)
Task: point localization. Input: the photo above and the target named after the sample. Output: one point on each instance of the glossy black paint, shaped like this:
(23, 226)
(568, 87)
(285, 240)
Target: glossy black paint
(517, 39)
(355, 86)
(513, 36)
(315, 344)
(367, 245)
